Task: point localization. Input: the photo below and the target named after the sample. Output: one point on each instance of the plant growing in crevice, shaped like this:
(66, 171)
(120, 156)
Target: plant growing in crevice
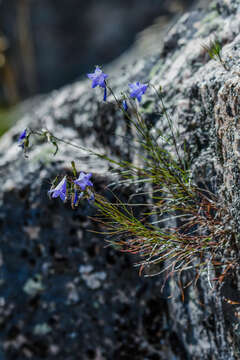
(214, 50)
(180, 224)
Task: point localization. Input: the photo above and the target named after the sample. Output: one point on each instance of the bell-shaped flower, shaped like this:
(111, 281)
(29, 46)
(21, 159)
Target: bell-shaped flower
(125, 105)
(98, 79)
(59, 190)
(21, 138)
(137, 90)
(77, 197)
(83, 180)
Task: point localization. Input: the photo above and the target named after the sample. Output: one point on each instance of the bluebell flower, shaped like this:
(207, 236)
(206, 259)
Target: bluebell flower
(125, 105)
(83, 180)
(21, 138)
(138, 90)
(105, 94)
(59, 190)
(77, 197)
(98, 79)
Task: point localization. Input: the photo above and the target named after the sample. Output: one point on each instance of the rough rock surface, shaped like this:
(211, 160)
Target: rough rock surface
(63, 294)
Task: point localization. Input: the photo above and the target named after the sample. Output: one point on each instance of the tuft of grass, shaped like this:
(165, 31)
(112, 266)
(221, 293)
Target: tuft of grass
(214, 49)
(183, 226)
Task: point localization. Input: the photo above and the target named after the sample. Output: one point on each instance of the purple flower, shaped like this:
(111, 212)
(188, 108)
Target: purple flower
(59, 190)
(98, 79)
(22, 138)
(138, 90)
(125, 105)
(77, 197)
(83, 180)
(105, 94)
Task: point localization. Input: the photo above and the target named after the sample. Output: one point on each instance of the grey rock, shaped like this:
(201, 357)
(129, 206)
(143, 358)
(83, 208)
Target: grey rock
(125, 317)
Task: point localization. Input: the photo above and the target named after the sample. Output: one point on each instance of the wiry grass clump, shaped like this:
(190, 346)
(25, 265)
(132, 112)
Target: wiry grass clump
(184, 224)
(214, 50)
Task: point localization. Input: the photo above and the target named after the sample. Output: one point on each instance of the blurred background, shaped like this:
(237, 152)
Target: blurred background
(45, 44)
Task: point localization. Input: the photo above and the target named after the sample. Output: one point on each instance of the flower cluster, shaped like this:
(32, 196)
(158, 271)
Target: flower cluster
(99, 79)
(81, 187)
(75, 190)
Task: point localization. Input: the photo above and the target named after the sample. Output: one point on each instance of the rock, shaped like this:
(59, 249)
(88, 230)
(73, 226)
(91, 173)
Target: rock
(125, 316)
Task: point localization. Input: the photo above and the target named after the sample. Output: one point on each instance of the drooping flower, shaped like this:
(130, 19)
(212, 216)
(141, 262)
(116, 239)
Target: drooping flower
(98, 79)
(77, 197)
(83, 180)
(138, 90)
(125, 105)
(105, 94)
(21, 138)
(59, 190)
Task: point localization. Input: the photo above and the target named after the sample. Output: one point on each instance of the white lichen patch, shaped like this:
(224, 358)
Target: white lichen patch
(85, 269)
(93, 280)
(42, 329)
(33, 286)
(32, 231)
